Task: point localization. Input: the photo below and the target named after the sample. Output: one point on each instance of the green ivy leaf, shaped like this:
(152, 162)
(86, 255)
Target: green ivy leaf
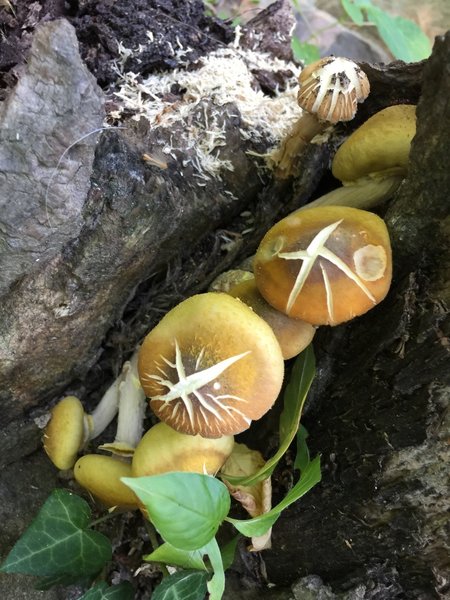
(101, 591)
(169, 555)
(295, 395)
(185, 585)
(186, 508)
(45, 583)
(304, 52)
(57, 544)
(403, 37)
(259, 525)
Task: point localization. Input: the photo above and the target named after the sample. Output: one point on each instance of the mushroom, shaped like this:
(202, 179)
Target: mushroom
(131, 411)
(373, 161)
(162, 449)
(65, 432)
(211, 366)
(325, 265)
(293, 335)
(101, 476)
(330, 90)
(70, 427)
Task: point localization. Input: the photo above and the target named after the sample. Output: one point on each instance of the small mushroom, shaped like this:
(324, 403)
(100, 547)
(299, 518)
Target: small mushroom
(330, 90)
(101, 476)
(70, 427)
(211, 366)
(162, 449)
(64, 434)
(373, 161)
(325, 265)
(293, 335)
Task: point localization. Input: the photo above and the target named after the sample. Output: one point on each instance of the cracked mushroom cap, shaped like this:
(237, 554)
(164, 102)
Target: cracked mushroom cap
(162, 449)
(64, 434)
(293, 335)
(325, 265)
(331, 89)
(211, 366)
(379, 146)
(101, 476)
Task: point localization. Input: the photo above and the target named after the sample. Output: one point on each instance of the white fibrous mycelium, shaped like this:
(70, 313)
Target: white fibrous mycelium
(199, 388)
(223, 80)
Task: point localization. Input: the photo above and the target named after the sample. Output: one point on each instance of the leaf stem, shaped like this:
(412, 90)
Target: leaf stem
(106, 517)
(151, 532)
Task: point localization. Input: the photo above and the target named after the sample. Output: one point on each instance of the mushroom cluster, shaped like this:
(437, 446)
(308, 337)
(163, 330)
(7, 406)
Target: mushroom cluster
(215, 362)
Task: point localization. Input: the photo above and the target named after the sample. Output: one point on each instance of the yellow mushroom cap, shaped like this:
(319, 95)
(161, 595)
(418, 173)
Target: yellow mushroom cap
(211, 366)
(162, 449)
(293, 335)
(331, 88)
(380, 145)
(63, 436)
(325, 265)
(101, 476)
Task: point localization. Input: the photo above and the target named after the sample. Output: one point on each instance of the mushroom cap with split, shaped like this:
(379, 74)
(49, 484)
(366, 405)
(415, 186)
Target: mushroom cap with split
(293, 335)
(379, 147)
(162, 449)
(211, 366)
(331, 89)
(101, 476)
(64, 433)
(325, 265)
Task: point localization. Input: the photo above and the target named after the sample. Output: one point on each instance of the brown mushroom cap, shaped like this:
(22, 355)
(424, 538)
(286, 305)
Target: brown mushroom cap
(331, 89)
(101, 475)
(325, 265)
(293, 335)
(64, 434)
(380, 145)
(162, 449)
(211, 366)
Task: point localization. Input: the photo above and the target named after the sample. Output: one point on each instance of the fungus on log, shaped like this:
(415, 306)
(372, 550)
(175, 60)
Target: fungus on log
(378, 410)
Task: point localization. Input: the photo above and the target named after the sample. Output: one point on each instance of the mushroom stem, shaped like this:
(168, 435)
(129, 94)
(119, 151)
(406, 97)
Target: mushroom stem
(104, 413)
(365, 193)
(131, 411)
(282, 158)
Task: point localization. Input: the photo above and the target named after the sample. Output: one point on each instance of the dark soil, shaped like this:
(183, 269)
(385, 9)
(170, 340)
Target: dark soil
(102, 24)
